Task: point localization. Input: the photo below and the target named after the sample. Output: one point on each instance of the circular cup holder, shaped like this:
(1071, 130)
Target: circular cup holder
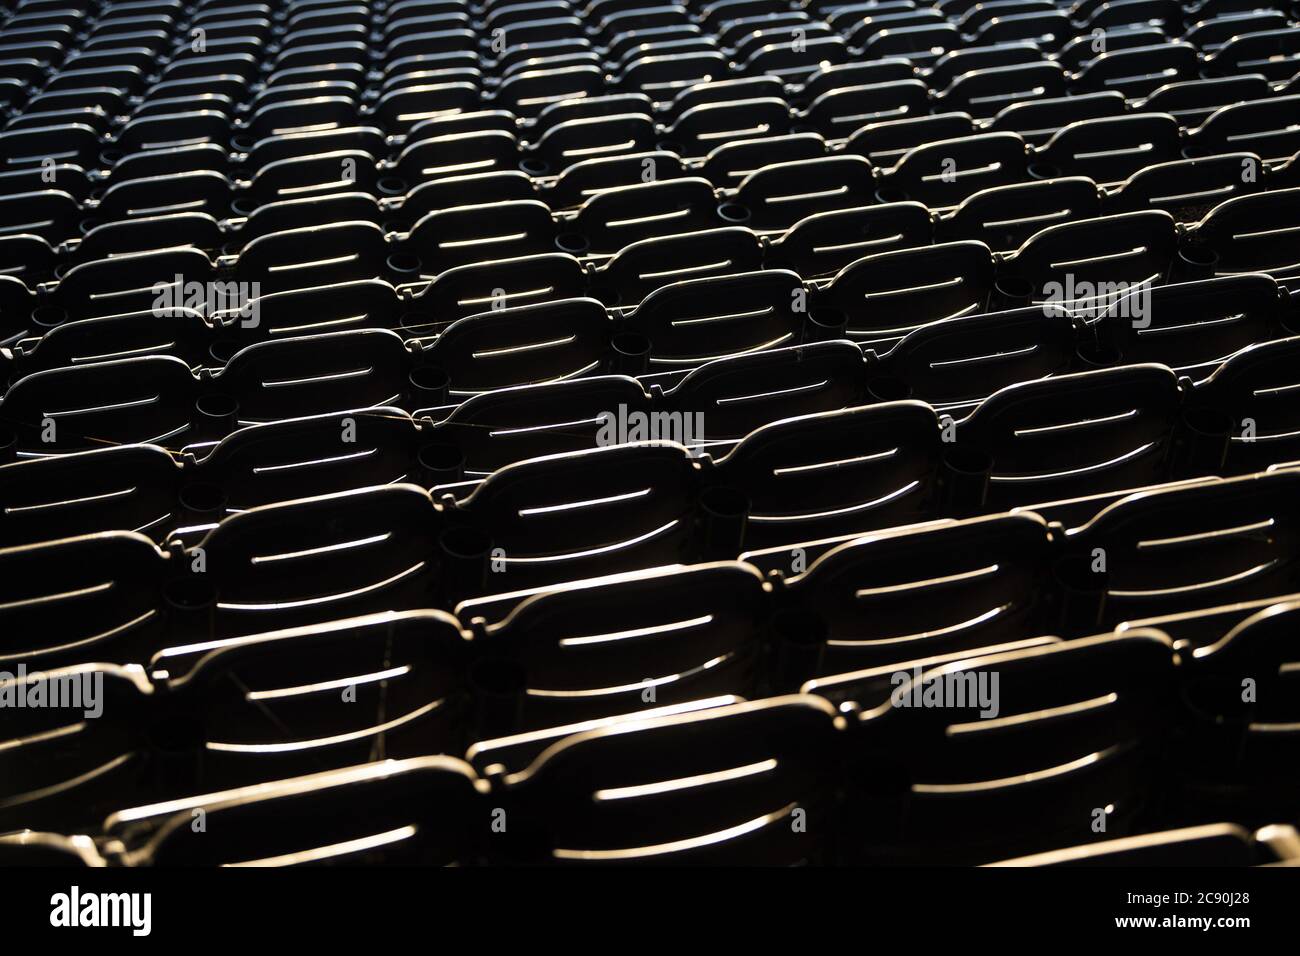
(243, 206)
(110, 156)
(85, 226)
(405, 263)
(48, 316)
(725, 503)
(430, 380)
(391, 185)
(203, 497)
(243, 142)
(1199, 256)
(1074, 573)
(825, 324)
(1099, 355)
(223, 350)
(442, 462)
(631, 352)
(216, 406)
(465, 544)
(534, 167)
(888, 388)
(1043, 171)
(888, 194)
(1209, 422)
(194, 593)
(1192, 151)
(572, 243)
(963, 460)
(1014, 288)
(733, 212)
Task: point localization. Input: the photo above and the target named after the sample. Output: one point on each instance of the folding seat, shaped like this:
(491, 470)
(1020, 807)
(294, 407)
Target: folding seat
(858, 469)
(138, 400)
(1109, 149)
(725, 91)
(700, 128)
(941, 174)
(73, 143)
(957, 62)
(886, 142)
(335, 556)
(840, 111)
(616, 218)
(550, 341)
(689, 323)
(1245, 411)
(746, 783)
(912, 592)
(507, 425)
(1112, 13)
(1079, 264)
(671, 70)
(365, 303)
(590, 177)
(1028, 749)
(1254, 233)
(339, 171)
(473, 189)
(301, 457)
(1004, 217)
(613, 508)
(51, 214)
(153, 164)
(268, 706)
(1238, 744)
(880, 298)
(1138, 71)
(365, 140)
(921, 44)
(959, 362)
(727, 165)
(575, 140)
(825, 242)
(1073, 434)
(1189, 188)
(469, 234)
(467, 290)
(304, 375)
(304, 214)
(1256, 50)
(640, 268)
(984, 92)
(1261, 126)
(132, 282)
(182, 333)
(774, 198)
(74, 745)
(734, 396)
(527, 92)
(1211, 844)
(1191, 327)
(301, 258)
(198, 191)
(390, 811)
(1197, 546)
(1192, 101)
(607, 647)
